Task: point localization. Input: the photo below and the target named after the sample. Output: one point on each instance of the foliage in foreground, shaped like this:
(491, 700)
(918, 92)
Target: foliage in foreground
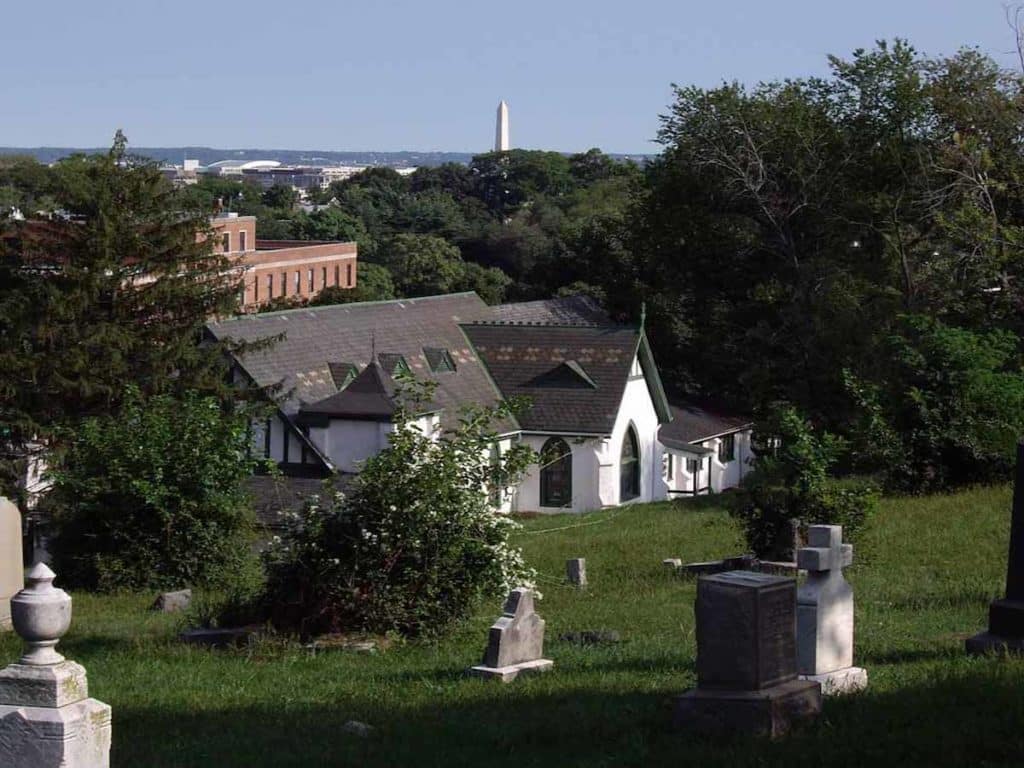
(153, 496)
(415, 543)
(791, 482)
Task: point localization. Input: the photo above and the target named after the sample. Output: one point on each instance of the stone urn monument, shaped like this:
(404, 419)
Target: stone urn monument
(46, 715)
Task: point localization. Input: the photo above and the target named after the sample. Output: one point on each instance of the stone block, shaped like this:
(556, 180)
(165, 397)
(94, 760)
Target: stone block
(73, 736)
(173, 602)
(771, 711)
(841, 681)
(55, 685)
(746, 627)
(516, 641)
(511, 672)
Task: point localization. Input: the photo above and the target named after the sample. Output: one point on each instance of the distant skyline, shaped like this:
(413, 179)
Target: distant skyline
(408, 75)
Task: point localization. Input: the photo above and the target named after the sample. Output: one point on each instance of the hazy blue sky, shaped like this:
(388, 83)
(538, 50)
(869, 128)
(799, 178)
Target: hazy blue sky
(420, 74)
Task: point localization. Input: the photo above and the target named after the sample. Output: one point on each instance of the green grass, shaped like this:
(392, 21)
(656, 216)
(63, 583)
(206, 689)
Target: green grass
(923, 576)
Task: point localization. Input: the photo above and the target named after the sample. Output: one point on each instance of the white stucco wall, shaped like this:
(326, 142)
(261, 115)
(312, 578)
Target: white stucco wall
(595, 460)
(724, 475)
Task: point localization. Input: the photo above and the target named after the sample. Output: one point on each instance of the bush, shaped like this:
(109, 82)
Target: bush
(153, 497)
(790, 482)
(414, 544)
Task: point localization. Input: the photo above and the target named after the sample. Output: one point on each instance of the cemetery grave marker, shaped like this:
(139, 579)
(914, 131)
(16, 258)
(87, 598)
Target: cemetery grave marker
(516, 641)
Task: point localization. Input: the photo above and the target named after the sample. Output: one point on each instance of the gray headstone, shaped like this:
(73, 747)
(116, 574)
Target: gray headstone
(576, 571)
(12, 568)
(516, 640)
(746, 658)
(1006, 616)
(746, 630)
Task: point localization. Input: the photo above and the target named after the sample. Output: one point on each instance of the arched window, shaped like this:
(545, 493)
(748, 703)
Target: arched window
(556, 474)
(629, 466)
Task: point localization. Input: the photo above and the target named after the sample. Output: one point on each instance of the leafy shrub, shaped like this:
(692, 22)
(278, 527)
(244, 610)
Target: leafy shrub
(790, 482)
(413, 545)
(153, 497)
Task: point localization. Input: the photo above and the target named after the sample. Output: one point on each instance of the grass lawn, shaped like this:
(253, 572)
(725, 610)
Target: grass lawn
(923, 577)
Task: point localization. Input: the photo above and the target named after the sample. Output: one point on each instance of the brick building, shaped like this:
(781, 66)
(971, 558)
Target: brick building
(283, 268)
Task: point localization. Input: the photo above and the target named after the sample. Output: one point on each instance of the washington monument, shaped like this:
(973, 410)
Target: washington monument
(501, 129)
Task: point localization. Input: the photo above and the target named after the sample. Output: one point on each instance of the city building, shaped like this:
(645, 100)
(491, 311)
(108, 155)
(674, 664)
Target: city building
(275, 269)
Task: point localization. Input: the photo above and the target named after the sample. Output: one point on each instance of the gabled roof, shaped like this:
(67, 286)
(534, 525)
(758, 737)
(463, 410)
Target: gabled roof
(692, 423)
(315, 337)
(574, 376)
(566, 310)
(370, 397)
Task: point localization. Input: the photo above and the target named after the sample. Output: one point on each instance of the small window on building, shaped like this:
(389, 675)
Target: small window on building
(337, 274)
(629, 467)
(348, 275)
(556, 474)
(298, 282)
(284, 283)
(439, 360)
(692, 466)
(323, 278)
(393, 363)
(667, 465)
(225, 242)
(241, 240)
(256, 288)
(727, 448)
(310, 277)
(270, 285)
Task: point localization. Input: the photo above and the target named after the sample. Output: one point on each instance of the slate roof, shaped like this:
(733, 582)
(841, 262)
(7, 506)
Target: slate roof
(531, 361)
(692, 423)
(370, 396)
(315, 337)
(567, 310)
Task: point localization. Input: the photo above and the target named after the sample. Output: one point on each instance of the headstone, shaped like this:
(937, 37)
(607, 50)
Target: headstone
(11, 567)
(576, 571)
(746, 658)
(46, 715)
(1006, 617)
(672, 563)
(173, 602)
(516, 641)
(824, 614)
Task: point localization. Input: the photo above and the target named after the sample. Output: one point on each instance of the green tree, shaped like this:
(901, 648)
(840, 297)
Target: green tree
(153, 497)
(423, 265)
(115, 294)
(414, 545)
(280, 196)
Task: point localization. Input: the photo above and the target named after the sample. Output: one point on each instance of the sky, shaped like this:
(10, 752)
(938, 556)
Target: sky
(422, 75)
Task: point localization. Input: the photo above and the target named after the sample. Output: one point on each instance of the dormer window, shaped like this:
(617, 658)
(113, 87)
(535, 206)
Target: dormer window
(393, 363)
(439, 359)
(342, 374)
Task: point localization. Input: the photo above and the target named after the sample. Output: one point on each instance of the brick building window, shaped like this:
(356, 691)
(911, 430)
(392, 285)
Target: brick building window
(348, 274)
(337, 275)
(225, 242)
(284, 283)
(298, 282)
(323, 280)
(311, 281)
(270, 286)
(256, 288)
(241, 240)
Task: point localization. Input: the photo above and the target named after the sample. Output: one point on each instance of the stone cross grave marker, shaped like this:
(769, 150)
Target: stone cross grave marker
(1006, 617)
(746, 658)
(11, 567)
(516, 641)
(576, 571)
(824, 613)
(46, 715)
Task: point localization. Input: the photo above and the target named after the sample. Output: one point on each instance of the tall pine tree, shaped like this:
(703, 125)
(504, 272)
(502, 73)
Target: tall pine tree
(111, 291)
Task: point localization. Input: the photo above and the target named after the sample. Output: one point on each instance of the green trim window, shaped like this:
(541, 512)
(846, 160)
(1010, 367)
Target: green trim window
(629, 466)
(556, 474)
(727, 448)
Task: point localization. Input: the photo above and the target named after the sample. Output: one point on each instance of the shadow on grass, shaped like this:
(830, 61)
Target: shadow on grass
(970, 718)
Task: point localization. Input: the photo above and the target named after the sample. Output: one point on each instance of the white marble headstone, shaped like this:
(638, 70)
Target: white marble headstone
(825, 613)
(11, 566)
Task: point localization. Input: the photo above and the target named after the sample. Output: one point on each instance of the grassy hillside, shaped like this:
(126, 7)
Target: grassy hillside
(923, 577)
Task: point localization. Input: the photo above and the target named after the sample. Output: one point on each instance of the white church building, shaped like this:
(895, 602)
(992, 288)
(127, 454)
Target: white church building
(597, 413)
